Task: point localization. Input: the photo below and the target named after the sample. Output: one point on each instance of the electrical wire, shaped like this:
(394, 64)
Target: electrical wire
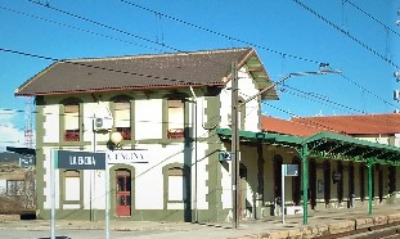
(103, 25)
(312, 96)
(160, 14)
(219, 34)
(111, 28)
(76, 28)
(373, 18)
(366, 90)
(312, 123)
(95, 67)
(320, 99)
(347, 34)
(119, 71)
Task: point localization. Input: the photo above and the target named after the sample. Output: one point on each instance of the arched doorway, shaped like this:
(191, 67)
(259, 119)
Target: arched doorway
(123, 192)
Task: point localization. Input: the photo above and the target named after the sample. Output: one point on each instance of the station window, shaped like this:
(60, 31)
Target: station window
(175, 119)
(122, 118)
(71, 122)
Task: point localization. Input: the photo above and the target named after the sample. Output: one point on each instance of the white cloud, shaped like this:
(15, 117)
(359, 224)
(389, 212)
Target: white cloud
(10, 134)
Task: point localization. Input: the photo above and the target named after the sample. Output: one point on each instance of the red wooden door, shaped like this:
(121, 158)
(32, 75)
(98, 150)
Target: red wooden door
(123, 200)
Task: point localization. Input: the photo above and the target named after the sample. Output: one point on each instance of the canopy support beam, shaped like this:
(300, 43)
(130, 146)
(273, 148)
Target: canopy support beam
(304, 176)
(370, 196)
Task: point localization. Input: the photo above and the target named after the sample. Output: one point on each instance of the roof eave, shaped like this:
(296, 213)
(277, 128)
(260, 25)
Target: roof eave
(100, 90)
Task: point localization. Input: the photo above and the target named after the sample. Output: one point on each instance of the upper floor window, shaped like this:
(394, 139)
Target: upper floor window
(71, 122)
(122, 118)
(175, 119)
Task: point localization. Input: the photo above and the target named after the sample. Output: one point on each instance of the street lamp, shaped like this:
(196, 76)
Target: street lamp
(235, 129)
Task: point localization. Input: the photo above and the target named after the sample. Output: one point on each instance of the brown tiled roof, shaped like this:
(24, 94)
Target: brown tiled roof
(280, 126)
(371, 124)
(137, 72)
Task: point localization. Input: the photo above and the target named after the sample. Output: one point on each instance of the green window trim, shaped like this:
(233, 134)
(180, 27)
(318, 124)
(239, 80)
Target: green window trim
(130, 138)
(165, 118)
(175, 169)
(63, 175)
(62, 121)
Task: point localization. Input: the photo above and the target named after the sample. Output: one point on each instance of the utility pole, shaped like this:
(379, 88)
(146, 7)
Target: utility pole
(396, 74)
(396, 93)
(235, 145)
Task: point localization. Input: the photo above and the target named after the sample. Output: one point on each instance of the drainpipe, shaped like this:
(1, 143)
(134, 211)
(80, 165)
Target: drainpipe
(196, 212)
(304, 176)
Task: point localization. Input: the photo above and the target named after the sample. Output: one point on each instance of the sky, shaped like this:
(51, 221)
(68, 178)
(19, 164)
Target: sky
(358, 37)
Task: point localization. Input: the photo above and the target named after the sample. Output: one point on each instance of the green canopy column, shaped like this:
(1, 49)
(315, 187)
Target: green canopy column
(370, 196)
(304, 178)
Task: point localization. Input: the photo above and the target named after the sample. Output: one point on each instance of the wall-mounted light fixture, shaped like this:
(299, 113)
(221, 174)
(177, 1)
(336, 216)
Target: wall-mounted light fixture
(115, 140)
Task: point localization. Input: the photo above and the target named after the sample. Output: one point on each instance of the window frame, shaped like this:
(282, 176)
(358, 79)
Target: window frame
(175, 170)
(73, 136)
(64, 175)
(126, 132)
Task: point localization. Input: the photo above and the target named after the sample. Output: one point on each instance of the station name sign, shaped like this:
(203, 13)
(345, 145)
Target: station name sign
(127, 156)
(81, 160)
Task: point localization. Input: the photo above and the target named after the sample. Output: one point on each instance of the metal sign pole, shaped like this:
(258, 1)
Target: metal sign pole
(283, 192)
(53, 193)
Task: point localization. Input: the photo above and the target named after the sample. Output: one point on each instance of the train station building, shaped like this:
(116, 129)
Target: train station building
(164, 123)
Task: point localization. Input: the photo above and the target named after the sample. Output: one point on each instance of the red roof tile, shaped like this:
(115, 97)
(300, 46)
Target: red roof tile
(370, 124)
(280, 126)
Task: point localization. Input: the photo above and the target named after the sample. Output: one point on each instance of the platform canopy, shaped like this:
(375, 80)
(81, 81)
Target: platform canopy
(326, 146)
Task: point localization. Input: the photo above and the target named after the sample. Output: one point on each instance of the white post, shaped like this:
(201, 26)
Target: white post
(92, 176)
(107, 201)
(283, 193)
(53, 192)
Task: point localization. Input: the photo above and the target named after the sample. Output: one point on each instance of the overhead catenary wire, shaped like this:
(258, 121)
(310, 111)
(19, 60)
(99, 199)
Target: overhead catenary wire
(160, 14)
(162, 44)
(134, 73)
(347, 78)
(95, 67)
(347, 34)
(219, 34)
(310, 121)
(386, 27)
(104, 25)
(77, 28)
(321, 99)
